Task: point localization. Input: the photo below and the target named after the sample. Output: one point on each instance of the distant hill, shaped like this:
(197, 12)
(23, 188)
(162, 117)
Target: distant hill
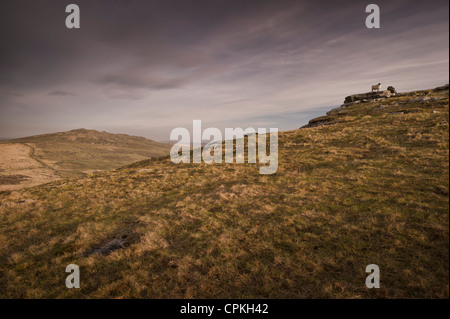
(366, 184)
(42, 158)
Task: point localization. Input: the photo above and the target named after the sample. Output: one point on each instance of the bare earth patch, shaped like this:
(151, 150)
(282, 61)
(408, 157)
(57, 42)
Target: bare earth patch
(19, 170)
(12, 179)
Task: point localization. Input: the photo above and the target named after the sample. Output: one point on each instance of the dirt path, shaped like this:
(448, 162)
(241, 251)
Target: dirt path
(32, 156)
(20, 168)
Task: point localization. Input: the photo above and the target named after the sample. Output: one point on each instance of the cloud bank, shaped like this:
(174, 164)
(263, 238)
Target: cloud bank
(145, 67)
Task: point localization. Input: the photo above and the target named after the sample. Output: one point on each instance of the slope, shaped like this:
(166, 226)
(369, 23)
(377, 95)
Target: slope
(43, 158)
(370, 187)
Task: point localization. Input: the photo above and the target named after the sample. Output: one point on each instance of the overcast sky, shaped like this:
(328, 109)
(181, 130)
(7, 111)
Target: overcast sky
(146, 67)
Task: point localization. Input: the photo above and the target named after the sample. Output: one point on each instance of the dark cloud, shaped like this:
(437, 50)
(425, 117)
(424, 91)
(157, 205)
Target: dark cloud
(131, 85)
(140, 83)
(61, 93)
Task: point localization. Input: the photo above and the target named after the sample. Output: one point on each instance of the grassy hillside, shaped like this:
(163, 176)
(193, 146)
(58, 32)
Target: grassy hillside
(370, 187)
(75, 153)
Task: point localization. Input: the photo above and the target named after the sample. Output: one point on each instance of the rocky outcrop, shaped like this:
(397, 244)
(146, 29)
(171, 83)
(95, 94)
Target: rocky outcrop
(340, 109)
(442, 88)
(319, 121)
(418, 97)
(366, 97)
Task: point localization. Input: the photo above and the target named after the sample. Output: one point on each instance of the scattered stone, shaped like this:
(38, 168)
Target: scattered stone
(413, 93)
(423, 99)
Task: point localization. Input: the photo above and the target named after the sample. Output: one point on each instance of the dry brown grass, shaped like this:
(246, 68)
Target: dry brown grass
(371, 188)
(48, 157)
(16, 161)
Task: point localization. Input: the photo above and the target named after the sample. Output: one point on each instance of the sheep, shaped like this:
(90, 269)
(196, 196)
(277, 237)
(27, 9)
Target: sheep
(376, 87)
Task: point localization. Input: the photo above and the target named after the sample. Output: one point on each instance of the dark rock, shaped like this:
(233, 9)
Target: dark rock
(392, 90)
(112, 244)
(319, 121)
(107, 248)
(442, 88)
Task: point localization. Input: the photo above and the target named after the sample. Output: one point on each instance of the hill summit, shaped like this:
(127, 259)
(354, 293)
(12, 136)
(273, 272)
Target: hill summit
(86, 136)
(42, 158)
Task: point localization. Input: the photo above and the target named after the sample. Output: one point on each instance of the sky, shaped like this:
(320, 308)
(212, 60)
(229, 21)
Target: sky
(146, 67)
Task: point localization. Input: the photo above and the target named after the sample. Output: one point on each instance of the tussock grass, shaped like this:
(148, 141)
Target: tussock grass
(370, 188)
